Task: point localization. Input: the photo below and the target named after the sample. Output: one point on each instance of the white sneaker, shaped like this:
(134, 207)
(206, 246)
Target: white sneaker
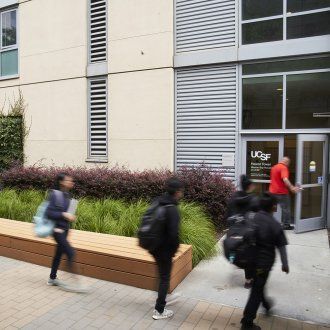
(165, 315)
(54, 282)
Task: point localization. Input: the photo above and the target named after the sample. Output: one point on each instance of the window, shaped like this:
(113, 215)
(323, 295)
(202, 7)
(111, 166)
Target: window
(291, 94)
(308, 25)
(97, 31)
(284, 19)
(308, 98)
(262, 102)
(97, 119)
(8, 43)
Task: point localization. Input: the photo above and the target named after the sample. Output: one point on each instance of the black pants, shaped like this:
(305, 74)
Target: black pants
(63, 246)
(249, 272)
(164, 263)
(257, 296)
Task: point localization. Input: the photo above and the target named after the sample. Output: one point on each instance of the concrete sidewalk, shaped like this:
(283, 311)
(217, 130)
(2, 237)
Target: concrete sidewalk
(26, 302)
(304, 294)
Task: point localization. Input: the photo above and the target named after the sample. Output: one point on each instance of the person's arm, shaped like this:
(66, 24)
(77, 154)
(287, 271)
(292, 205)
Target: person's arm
(173, 219)
(285, 178)
(281, 243)
(54, 212)
(284, 259)
(290, 186)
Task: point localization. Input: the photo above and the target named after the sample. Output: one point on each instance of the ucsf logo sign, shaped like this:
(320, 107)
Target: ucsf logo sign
(260, 155)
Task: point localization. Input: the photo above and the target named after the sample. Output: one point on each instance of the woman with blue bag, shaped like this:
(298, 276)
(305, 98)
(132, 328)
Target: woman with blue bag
(61, 211)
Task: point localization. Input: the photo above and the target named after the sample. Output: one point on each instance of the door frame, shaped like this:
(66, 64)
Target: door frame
(303, 225)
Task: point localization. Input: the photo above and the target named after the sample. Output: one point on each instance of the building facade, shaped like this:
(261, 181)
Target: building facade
(234, 84)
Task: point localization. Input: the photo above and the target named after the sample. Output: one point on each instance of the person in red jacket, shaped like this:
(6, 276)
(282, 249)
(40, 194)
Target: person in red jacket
(280, 186)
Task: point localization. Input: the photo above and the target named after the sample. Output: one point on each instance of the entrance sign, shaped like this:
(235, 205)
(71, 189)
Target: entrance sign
(261, 156)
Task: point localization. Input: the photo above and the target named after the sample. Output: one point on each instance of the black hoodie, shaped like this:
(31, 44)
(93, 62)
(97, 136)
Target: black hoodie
(170, 242)
(242, 202)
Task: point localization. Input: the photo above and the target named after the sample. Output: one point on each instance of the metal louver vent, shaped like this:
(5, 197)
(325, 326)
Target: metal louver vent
(206, 117)
(205, 24)
(97, 118)
(98, 31)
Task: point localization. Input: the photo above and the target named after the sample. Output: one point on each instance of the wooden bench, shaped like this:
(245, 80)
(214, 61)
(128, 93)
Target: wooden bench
(107, 257)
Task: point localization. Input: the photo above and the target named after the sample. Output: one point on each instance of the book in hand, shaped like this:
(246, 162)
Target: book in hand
(73, 206)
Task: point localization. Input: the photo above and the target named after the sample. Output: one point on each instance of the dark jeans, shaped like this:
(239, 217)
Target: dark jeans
(164, 263)
(257, 296)
(63, 246)
(284, 201)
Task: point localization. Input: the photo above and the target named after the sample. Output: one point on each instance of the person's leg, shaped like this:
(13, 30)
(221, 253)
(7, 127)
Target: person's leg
(164, 267)
(70, 253)
(284, 201)
(286, 209)
(58, 255)
(249, 272)
(256, 297)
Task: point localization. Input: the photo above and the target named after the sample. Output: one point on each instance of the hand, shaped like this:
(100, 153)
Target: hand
(70, 217)
(295, 190)
(285, 269)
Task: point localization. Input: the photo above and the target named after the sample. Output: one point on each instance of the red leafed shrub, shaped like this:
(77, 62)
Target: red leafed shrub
(203, 186)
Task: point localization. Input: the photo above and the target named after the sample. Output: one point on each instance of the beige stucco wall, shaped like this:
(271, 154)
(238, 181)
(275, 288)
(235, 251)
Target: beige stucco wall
(56, 115)
(141, 119)
(52, 77)
(140, 34)
(52, 40)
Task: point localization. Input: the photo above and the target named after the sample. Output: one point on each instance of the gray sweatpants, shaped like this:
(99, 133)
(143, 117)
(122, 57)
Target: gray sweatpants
(284, 202)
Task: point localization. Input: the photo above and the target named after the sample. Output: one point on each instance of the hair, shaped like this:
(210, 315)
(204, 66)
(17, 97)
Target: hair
(59, 178)
(267, 202)
(245, 182)
(173, 185)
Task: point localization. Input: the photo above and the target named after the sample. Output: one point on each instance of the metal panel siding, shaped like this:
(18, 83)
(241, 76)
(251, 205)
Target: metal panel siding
(205, 24)
(97, 31)
(97, 118)
(206, 104)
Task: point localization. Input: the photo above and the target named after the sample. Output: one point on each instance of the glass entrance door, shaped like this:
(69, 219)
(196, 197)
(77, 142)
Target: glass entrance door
(312, 163)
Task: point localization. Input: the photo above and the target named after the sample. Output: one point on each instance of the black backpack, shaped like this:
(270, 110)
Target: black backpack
(240, 242)
(151, 231)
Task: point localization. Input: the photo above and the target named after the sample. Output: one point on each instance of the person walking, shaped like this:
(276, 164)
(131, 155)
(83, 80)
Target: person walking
(280, 186)
(59, 202)
(169, 244)
(242, 202)
(269, 235)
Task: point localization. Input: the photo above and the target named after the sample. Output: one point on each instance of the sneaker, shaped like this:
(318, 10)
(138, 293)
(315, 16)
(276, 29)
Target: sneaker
(165, 315)
(250, 327)
(54, 282)
(288, 227)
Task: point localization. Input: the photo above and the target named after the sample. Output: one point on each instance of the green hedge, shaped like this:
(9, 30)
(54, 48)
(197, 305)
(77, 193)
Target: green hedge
(116, 217)
(11, 141)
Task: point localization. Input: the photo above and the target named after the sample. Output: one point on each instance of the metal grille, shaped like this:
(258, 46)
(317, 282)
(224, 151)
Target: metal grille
(206, 117)
(97, 118)
(98, 31)
(205, 24)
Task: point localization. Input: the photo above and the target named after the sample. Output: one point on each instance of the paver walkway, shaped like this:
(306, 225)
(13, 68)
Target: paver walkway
(26, 302)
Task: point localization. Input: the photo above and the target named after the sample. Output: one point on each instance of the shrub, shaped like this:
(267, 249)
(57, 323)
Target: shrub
(116, 217)
(12, 133)
(202, 186)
